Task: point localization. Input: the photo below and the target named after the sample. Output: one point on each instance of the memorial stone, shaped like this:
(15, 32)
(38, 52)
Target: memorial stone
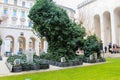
(63, 59)
(29, 56)
(91, 57)
(16, 62)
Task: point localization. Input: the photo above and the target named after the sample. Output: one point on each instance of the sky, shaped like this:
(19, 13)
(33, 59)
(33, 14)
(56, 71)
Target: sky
(69, 3)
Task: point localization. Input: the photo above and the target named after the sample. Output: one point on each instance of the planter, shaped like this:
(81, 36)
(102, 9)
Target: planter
(52, 62)
(26, 67)
(35, 67)
(65, 64)
(0, 57)
(44, 66)
(17, 69)
(70, 63)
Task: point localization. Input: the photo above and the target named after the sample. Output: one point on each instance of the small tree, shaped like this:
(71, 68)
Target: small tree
(91, 46)
(52, 22)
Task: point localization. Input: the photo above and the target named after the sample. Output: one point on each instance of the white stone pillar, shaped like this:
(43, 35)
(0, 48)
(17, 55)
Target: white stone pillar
(45, 46)
(102, 30)
(113, 27)
(10, 12)
(27, 43)
(16, 45)
(37, 46)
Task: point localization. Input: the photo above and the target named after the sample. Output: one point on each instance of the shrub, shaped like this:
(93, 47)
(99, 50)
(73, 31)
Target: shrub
(92, 45)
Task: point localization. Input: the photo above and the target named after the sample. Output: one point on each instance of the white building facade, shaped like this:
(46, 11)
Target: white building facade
(101, 17)
(16, 27)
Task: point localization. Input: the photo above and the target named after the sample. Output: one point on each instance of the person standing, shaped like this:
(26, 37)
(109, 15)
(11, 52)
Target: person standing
(105, 48)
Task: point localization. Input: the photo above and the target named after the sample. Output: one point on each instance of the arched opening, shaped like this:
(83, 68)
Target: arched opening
(97, 26)
(22, 44)
(117, 24)
(9, 44)
(107, 27)
(32, 43)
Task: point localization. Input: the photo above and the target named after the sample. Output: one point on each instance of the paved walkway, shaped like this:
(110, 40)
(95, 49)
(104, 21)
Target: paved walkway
(5, 72)
(3, 68)
(109, 55)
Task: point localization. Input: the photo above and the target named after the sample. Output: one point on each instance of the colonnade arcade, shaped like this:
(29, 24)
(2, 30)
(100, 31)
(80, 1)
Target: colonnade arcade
(107, 29)
(23, 44)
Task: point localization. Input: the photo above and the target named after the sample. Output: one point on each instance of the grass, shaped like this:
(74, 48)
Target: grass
(106, 71)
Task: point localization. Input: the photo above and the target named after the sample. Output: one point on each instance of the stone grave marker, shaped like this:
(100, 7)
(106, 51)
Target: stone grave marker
(16, 62)
(63, 59)
(29, 56)
(91, 57)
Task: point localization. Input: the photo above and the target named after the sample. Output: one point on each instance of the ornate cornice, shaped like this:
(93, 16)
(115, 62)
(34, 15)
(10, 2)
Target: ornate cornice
(84, 3)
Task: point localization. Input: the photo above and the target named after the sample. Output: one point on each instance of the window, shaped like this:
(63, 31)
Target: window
(5, 1)
(31, 5)
(15, 2)
(14, 13)
(5, 11)
(30, 24)
(23, 4)
(23, 13)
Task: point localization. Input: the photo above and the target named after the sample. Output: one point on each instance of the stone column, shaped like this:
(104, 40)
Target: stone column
(102, 30)
(113, 27)
(27, 43)
(16, 45)
(45, 46)
(37, 46)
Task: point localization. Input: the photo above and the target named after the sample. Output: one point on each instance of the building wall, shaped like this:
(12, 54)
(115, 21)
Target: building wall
(15, 30)
(101, 17)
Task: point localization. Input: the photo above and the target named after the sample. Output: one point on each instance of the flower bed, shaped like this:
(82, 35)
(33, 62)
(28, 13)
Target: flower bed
(25, 66)
(62, 64)
(87, 60)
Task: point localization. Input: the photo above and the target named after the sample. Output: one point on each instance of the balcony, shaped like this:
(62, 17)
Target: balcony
(14, 18)
(22, 19)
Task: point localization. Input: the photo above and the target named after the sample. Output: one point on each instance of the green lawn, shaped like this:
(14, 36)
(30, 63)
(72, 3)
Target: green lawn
(106, 71)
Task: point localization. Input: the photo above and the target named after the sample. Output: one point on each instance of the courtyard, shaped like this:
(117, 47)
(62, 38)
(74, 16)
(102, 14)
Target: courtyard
(106, 71)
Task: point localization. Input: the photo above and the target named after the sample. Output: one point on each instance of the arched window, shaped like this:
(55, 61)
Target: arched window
(30, 23)
(14, 12)
(5, 1)
(5, 11)
(23, 14)
(15, 2)
(23, 4)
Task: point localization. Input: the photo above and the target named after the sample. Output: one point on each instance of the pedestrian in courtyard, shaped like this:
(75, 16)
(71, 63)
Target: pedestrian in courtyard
(110, 47)
(105, 48)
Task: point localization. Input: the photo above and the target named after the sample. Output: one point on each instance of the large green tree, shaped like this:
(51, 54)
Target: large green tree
(52, 22)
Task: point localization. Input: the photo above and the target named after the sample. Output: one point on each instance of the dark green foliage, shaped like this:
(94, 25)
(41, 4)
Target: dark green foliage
(0, 41)
(57, 57)
(52, 22)
(92, 45)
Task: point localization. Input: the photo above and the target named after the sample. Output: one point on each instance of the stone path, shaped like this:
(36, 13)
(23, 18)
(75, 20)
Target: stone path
(109, 55)
(3, 68)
